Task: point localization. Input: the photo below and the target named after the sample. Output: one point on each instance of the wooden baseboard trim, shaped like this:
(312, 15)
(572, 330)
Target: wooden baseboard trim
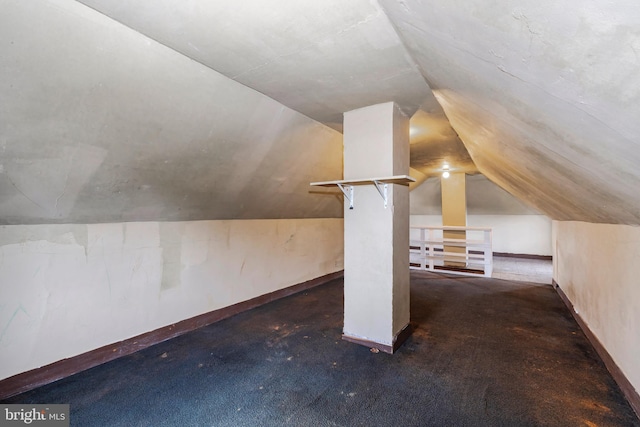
(525, 256)
(402, 336)
(399, 339)
(632, 395)
(500, 254)
(61, 369)
(446, 268)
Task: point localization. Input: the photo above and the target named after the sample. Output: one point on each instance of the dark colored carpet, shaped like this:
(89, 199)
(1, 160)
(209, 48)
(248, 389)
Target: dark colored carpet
(485, 353)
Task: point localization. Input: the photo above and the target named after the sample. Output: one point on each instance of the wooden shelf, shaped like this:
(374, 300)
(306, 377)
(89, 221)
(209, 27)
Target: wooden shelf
(346, 185)
(396, 179)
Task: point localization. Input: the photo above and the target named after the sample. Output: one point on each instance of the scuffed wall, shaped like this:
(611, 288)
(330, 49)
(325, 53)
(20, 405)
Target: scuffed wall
(68, 289)
(596, 265)
(513, 234)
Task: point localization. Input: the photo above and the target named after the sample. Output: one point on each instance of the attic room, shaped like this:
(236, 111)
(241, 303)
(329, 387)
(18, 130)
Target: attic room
(156, 161)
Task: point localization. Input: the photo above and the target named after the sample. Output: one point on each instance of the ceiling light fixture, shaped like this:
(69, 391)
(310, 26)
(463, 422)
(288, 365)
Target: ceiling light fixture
(445, 173)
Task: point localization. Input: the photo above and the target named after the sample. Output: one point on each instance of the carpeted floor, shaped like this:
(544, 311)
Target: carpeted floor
(485, 352)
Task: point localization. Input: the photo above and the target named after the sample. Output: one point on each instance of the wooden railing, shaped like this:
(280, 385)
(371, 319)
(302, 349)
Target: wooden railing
(430, 250)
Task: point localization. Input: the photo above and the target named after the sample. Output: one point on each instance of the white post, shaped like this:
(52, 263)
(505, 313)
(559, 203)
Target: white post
(423, 249)
(488, 257)
(431, 251)
(376, 238)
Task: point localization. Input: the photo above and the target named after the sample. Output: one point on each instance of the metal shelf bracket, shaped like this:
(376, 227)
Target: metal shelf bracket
(382, 185)
(382, 189)
(348, 193)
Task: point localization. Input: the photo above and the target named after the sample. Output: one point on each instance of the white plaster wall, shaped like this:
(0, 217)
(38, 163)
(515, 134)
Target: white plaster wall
(596, 265)
(514, 234)
(68, 289)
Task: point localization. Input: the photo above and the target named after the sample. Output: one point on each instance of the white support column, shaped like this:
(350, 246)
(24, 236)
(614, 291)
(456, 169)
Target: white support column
(376, 277)
(454, 212)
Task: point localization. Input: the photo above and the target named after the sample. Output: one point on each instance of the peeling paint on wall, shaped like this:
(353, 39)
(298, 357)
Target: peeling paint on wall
(68, 234)
(131, 278)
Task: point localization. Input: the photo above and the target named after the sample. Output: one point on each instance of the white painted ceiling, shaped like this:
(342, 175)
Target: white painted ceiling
(137, 110)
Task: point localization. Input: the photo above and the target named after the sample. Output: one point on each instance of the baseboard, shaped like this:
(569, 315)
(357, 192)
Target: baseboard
(55, 371)
(399, 339)
(445, 268)
(525, 256)
(627, 388)
(499, 254)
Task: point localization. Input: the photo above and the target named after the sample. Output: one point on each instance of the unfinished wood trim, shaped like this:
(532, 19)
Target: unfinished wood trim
(63, 368)
(398, 340)
(632, 395)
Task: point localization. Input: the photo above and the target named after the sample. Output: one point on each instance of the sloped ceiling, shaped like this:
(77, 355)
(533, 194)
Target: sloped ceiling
(321, 58)
(544, 95)
(98, 123)
(134, 110)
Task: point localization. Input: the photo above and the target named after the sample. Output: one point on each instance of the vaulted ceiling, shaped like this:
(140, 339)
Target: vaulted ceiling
(118, 110)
